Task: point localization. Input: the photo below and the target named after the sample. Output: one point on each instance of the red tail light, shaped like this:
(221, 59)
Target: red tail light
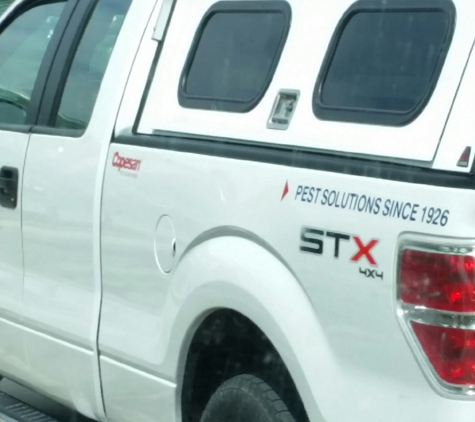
(437, 299)
(450, 351)
(438, 281)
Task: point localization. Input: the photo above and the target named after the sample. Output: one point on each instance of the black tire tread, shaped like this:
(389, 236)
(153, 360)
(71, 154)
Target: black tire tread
(261, 392)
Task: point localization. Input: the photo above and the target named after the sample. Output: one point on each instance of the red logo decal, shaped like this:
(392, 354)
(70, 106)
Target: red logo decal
(365, 251)
(124, 163)
(286, 190)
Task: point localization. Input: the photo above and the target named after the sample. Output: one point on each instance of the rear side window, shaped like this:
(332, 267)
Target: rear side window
(383, 64)
(234, 55)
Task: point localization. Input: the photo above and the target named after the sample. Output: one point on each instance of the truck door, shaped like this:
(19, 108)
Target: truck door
(29, 35)
(62, 199)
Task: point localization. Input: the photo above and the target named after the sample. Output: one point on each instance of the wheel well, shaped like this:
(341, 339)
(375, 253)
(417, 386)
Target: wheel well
(227, 344)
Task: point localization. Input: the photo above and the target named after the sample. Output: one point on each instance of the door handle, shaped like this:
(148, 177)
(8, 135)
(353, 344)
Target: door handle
(8, 187)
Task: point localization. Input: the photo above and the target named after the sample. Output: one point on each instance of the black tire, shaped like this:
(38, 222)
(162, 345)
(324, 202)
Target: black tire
(246, 398)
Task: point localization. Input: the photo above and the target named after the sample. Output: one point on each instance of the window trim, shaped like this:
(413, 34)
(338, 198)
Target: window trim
(382, 117)
(229, 105)
(60, 71)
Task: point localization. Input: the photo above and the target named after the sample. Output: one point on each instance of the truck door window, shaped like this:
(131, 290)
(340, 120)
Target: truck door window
(4, 5)
(89, 64)
(234, 56)
(23, 45)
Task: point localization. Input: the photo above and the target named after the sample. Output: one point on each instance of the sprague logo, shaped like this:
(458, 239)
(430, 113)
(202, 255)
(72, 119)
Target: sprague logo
(126, 164)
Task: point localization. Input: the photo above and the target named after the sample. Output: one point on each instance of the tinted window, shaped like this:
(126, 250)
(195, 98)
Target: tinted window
(383, 62)
(4, 5)
(234, 58)
(90, 63)
(23, 45)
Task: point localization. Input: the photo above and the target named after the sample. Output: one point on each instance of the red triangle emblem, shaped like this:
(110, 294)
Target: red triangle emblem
(286, 190)
(465, 157)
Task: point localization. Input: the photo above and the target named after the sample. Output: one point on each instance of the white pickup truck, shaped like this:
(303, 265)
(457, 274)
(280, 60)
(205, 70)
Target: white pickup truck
(234, 211)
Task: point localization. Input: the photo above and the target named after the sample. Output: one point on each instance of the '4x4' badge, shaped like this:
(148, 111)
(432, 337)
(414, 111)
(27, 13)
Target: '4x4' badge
(371, 273)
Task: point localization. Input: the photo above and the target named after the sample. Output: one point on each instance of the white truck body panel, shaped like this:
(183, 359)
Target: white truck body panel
(245, 246)
(12, 355)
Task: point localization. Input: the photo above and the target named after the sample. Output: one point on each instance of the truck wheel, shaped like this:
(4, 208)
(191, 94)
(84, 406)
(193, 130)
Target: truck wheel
(246, 398)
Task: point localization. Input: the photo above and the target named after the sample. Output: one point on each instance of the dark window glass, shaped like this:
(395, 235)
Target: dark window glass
(385, 62)
(234, 60)
(23, 45)
(90, 63)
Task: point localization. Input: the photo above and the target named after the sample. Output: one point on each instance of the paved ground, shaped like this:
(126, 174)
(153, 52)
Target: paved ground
(49, 407)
